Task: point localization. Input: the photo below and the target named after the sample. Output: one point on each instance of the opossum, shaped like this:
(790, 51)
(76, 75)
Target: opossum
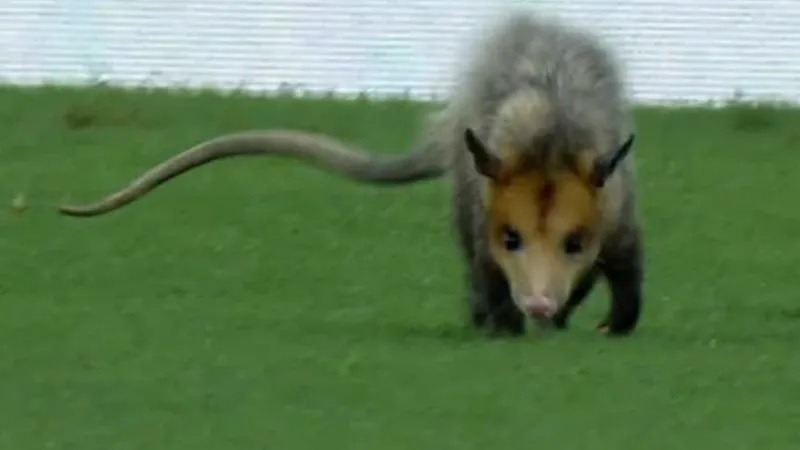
(536, 139)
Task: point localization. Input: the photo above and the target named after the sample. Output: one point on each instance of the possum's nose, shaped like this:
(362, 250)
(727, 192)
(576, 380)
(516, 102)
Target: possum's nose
(538, 306)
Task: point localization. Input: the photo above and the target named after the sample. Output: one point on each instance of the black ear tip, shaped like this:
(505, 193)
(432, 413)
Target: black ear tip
(469, 134)
(473, 143)
(629, 141)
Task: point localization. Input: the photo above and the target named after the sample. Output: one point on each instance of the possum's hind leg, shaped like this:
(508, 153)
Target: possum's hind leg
(623, 268)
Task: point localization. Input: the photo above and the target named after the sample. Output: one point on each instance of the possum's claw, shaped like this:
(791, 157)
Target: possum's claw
(606, 328)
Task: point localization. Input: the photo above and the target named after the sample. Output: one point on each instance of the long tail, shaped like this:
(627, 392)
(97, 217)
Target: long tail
(317, 149)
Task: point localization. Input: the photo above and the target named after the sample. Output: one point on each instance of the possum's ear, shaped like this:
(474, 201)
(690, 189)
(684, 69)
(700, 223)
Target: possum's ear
(486, 163)
(606, 165)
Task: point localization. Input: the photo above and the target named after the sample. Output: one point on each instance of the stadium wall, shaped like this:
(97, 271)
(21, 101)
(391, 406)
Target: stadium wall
(679, 50)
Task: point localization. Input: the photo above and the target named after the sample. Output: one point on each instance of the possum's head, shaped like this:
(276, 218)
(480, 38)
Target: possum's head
(546, 222)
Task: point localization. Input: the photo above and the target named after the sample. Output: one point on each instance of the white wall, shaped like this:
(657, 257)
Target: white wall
(674, 49)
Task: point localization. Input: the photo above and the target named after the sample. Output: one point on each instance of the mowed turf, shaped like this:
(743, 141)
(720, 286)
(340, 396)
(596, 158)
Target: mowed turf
(258, 303)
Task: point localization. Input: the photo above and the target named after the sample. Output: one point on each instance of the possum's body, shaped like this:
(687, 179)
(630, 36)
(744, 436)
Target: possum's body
(535, 138)
(532, 78)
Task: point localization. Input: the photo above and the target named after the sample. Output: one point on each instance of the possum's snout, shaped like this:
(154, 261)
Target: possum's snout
(538, 306)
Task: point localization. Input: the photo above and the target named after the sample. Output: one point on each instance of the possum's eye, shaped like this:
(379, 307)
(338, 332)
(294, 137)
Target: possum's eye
(511, 239)
(573, 243)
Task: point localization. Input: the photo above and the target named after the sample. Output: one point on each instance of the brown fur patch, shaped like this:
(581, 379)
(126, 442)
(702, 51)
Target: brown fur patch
(543, 205)
(545, 200)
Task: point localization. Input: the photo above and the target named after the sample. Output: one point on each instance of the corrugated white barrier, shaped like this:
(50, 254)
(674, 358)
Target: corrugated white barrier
(690, 50)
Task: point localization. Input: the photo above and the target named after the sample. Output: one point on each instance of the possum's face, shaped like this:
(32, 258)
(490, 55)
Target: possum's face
(543, 232)
(545, 227)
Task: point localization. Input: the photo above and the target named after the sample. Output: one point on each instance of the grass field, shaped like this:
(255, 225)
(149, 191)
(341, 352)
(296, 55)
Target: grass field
(260, 304)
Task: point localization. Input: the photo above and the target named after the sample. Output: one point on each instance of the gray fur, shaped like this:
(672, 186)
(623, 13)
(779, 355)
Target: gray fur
(576, 88)
(563, 79)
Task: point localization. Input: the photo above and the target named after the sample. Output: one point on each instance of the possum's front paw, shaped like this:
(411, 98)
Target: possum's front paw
(502, 322)
(560, 320)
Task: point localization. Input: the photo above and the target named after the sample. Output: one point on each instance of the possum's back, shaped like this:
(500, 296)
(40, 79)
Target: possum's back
(522, 51)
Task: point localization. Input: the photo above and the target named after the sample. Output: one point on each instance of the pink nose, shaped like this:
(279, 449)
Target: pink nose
(540, 307)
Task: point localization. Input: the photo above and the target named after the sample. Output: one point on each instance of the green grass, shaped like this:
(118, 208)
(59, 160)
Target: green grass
(263, 304)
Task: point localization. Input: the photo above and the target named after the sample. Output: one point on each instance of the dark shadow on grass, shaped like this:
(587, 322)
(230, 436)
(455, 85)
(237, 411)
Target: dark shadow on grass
(452, 332)
(401, 331)
(444, 332)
